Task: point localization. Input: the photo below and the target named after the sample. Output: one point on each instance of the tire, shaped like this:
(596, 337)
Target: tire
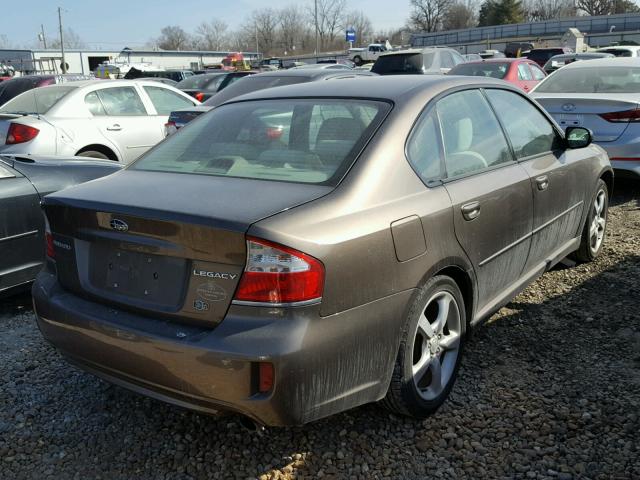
(357, 60)
(422, 354)
(595, 227)
(93, 154)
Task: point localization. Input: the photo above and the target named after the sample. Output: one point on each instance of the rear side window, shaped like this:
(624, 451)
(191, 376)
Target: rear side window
(423, 148)
(484, 69)
(538, 74)
(165, 101)
(529, 131)
(472, 137)
(523, 72)
(200, 81)
(121, 101)
(292, 140)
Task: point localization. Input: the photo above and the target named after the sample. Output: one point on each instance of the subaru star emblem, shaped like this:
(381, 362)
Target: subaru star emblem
(568, 107)
(119, 225)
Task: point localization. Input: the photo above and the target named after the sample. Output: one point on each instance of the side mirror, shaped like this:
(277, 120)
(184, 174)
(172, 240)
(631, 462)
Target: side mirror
(578, 137)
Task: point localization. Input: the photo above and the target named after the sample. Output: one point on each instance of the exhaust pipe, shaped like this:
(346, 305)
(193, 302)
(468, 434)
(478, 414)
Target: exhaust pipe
(250, 425)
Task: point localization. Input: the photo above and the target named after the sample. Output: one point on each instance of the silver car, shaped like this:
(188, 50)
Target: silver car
(116, 120)
(604, 96)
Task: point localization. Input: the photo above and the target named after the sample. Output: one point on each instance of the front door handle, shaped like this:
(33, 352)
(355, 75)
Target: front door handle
(542, 182)
(471, 210)
(114, 128)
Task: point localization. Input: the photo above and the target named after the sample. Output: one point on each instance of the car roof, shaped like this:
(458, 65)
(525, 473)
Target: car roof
(606, 62)
(416, 50)
(304, 72)
(505, 60)
(394, 88)
(620, 47)
(120, 82)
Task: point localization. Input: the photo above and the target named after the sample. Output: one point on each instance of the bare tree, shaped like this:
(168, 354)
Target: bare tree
(212, 35)
(458, 16)
(359, 21)
(71, 40)
(539, 10)
(428, 15)
(293, 28)
(174, 38)
(264, 24)
(330, 14)
(4, 41)
(595, 7)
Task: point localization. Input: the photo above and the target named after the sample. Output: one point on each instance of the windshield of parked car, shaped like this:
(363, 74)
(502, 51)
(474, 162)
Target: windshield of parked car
(208, 81)
(618, 52)
(407, 63)
(290, 140)
(254, 83)
(484, 69)
(38, 100)
(592, 80)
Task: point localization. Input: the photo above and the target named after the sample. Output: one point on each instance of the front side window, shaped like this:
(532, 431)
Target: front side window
(121, 101)
(529, 130)
(292, 140)
(523, 72)
(472, 137)
(423, 148)
(165, 101)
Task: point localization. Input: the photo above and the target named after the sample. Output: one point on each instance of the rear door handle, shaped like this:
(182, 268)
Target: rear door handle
(114, 128)
(542, 182)
(471, 210)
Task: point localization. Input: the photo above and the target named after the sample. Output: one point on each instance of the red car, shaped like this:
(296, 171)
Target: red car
(522, 72)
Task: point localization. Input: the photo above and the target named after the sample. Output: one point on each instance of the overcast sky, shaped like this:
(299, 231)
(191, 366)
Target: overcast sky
(119, 23)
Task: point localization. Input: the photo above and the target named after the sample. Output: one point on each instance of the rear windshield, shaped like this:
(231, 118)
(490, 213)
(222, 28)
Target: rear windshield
(38, 100)
(253, 83)
(618, 52)
(293, 140)
(485, 69)
(14, 87)
(592, 80)
(407, 63)
(201, 81)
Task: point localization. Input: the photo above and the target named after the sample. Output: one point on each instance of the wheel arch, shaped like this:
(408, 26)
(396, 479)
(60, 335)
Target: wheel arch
(607, 177)
(111, 155)
(466, 286)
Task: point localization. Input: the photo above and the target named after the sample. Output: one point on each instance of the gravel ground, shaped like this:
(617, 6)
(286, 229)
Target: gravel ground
(549, 388)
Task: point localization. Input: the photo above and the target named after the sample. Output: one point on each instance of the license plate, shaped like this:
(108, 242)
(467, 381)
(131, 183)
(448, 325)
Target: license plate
(570, 120)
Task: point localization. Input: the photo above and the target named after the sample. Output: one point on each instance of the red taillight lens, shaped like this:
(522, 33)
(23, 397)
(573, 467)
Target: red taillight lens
(265, 382)
(199, 96)
(624, 116)
(19, 133)
(51, 251)
(276, 274)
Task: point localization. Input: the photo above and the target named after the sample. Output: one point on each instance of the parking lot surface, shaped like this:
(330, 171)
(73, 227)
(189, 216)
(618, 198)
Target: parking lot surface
(548, 388)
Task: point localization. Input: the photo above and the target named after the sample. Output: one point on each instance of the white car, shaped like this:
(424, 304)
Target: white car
(621, 50)
(112, 119)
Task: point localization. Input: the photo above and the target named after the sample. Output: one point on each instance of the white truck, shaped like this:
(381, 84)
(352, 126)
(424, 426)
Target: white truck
(368, 54)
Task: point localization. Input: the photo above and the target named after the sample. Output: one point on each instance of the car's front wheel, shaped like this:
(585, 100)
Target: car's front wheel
(430, 350)
(596, 225)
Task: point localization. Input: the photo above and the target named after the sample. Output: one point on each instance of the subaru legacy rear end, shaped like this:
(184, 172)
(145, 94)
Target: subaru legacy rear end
(160, 279)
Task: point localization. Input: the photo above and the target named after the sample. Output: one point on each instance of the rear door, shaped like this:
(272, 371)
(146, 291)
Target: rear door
(21, 229)
(490, 192)
(124, 120)
(556, 176)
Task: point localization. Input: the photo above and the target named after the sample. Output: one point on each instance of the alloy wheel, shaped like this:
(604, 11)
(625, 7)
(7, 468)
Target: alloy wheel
(436, 345)
(596, 230)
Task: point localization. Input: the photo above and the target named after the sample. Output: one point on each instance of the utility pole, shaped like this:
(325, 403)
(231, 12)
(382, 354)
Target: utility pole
(42, 37)
(64, 63)
(316, 21)
(257, 49)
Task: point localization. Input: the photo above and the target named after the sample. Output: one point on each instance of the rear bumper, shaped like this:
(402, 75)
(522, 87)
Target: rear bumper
(627, 150)
(323, 365)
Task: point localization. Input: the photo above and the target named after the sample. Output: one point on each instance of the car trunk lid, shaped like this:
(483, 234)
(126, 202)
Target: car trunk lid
(163, 244)
(585, 110)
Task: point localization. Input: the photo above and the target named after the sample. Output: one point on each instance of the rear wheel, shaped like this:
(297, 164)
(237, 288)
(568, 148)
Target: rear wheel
(596, 225)
(357, 60)
(92, 154)
(430, 350)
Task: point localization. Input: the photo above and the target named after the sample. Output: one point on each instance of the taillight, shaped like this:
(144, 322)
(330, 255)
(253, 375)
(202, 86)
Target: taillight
(276, 274)
(265, 378)
(51, 252)
(170, 128)
(19, 133)
(199, 96)
(624, 116)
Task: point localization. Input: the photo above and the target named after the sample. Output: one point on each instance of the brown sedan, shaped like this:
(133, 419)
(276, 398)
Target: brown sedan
(303, 250)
